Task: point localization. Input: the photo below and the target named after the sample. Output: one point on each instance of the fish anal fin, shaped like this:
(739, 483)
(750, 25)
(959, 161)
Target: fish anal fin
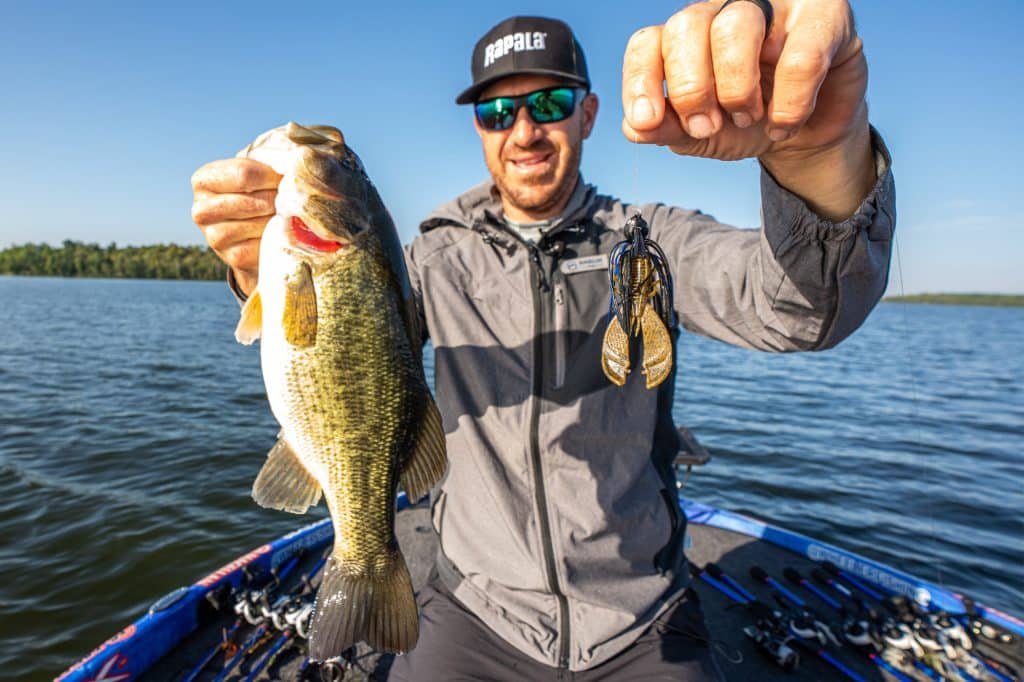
(428, 458)
(657, 363)
(356, 603)
(250, 326)
(615, 353)
(284, 483)
(300, 316)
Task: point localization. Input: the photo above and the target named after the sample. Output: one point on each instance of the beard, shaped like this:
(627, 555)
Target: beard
(544, 194)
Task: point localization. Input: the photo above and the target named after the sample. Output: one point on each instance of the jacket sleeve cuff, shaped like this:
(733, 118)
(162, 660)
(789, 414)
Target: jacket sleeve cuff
(240, 296)
(787, 217)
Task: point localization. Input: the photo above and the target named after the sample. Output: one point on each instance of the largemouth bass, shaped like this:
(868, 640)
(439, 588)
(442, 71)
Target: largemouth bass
(340, 349)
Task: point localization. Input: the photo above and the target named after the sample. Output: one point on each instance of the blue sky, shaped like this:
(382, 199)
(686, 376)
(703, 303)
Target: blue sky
(108, 108)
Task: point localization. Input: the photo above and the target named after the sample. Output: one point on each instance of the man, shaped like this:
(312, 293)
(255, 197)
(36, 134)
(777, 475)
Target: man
(560, 535)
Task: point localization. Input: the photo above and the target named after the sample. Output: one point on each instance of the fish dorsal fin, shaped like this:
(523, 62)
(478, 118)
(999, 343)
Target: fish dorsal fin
(428, 459)
(250, 326)
(300, 316)
(283, 483)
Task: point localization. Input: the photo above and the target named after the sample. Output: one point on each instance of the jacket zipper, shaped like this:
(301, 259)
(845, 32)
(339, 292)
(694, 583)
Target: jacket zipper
(540, 497)
(561, 322)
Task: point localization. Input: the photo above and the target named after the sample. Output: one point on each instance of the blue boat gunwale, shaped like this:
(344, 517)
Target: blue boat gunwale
(134, 649)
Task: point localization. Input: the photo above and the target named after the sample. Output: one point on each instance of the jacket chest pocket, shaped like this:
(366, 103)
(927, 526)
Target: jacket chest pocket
(579, 313)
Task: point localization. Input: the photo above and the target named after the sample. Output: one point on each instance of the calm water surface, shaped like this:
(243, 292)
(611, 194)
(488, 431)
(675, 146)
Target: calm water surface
(132, 426)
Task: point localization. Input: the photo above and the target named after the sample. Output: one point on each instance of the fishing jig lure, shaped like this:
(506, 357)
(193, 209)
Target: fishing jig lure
(641, 305)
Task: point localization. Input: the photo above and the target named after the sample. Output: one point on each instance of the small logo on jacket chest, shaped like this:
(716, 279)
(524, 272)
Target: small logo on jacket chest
(573, 266)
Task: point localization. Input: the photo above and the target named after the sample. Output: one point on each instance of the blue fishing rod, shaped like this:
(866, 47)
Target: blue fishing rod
(761, 576)
(840, 573)
(719, 574)
(857, 631)
(292, 618)
(770, 638)
(856, 625)
(793, 576)
(270, 656)
(932, 643)
(805, 622)
(263, 633)
(781, 630)
(244, 595)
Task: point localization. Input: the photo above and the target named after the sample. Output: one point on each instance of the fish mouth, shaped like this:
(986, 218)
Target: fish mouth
(306, 238)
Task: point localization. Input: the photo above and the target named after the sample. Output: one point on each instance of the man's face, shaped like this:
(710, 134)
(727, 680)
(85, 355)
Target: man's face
(535, 165)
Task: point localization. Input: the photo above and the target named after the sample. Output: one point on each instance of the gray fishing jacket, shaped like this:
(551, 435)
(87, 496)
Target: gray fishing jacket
(558, 520)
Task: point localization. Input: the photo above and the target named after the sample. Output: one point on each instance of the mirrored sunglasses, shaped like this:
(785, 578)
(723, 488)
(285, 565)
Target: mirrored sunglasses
(544, 106)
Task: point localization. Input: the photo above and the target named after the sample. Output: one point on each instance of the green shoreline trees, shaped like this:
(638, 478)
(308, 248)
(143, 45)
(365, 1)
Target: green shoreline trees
(996, 300)
(78, 259)
(171, 261)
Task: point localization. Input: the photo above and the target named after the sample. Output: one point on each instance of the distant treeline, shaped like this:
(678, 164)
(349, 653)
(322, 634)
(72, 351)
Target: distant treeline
(77, 259)
(998, 300)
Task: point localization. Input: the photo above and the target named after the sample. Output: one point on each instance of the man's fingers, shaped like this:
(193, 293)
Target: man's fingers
(803, 65)
(235, 175)
(224, 236)
(643, 94)
(237, 242)
(730, 144)
(737, 34)
(689, 71)
(209, 208)
(243, 257)
(668, 132)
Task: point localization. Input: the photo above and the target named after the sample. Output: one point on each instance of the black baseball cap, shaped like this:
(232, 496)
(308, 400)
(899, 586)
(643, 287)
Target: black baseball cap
(526, 45)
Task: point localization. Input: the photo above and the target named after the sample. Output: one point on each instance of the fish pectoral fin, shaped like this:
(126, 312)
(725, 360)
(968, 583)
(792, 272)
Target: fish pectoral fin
(428, 458)
(373, 603)
(284, 483)
(657, 364)
(615, 353)
(250, 326)
(300, 316)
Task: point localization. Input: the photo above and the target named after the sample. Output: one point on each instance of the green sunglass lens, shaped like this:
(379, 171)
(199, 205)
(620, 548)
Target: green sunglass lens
(496, 114)
(548, 106)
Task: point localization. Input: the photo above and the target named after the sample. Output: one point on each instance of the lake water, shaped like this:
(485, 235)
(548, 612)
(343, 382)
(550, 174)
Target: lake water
(132, 426)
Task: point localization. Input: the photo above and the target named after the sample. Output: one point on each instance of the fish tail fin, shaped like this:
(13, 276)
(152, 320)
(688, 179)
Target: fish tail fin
(356, 604)
(428, 459)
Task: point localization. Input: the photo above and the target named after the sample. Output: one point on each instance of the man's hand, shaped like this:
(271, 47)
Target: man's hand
(794, 98)
(234, 200)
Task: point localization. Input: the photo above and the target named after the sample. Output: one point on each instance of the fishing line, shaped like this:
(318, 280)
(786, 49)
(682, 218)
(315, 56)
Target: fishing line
(915, 414)
(636, 165)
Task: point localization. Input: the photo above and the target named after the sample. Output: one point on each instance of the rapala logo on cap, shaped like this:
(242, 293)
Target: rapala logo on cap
(513, 42)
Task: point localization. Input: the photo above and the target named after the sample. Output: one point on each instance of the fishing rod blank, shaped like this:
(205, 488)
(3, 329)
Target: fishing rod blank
(218, 599)
(254, 641)
(719, 574)
(762, 633)
(838, 572)
(759, 574)
(793, 576)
